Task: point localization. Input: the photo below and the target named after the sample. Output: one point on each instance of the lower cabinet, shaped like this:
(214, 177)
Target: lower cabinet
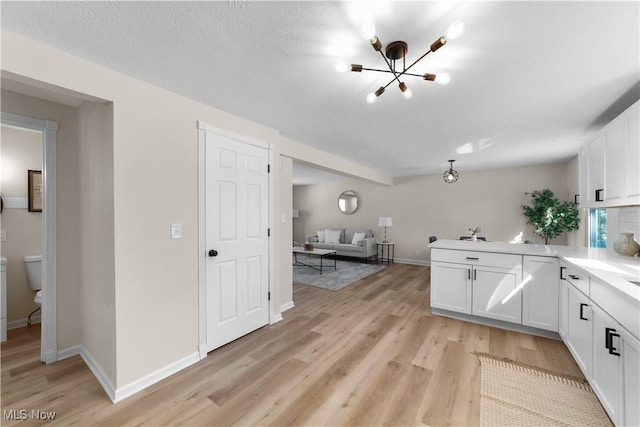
(580, 329)
(607, 376)
(451, 286)
(540, 292)
(563, 307)
(496, 293)
(631, 373)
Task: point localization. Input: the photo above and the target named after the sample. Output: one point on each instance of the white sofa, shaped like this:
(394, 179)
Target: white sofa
(365, 248)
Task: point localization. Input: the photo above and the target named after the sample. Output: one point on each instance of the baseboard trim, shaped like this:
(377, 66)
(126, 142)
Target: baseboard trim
(286, 306)
(275, 318)
(79, 350)
(412, 262)
(21, 323)
(132, 388)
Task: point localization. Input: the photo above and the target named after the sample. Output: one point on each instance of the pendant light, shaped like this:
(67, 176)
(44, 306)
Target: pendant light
(450, 176)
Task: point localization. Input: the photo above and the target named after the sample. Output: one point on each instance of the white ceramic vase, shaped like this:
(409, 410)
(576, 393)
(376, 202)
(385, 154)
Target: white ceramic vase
(625, 245)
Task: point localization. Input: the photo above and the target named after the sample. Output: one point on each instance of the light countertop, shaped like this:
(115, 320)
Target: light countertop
(603, 264)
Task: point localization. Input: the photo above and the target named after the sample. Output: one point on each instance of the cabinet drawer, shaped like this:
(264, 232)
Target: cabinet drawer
(577, 278)
(476, 258)
(623, 308)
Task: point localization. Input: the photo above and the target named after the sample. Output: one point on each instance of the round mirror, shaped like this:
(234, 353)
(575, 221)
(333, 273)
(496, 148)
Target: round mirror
(348, 202)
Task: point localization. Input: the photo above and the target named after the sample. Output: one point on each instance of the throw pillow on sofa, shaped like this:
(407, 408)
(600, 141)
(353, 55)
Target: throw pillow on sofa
(357, 237)
(322, 236)
(333, 236)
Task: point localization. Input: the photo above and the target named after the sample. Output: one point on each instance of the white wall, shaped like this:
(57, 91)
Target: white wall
(154, 184)
(68, 244)
(21, 150)
(425, 205)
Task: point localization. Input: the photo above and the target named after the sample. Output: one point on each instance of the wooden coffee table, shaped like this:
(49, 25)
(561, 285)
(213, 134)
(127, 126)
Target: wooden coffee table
(317, 253)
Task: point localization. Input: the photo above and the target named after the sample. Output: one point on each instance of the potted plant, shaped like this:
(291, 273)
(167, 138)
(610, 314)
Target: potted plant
(549, 216)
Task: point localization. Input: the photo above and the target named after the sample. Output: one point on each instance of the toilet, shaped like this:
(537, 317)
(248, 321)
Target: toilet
(33, 265)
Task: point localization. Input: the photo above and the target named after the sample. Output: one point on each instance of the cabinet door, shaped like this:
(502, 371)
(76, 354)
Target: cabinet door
(607, 380)
(497, 293)
(615, 145)
(631, 372)
(540, 292)
(583, 176)
(580, 327)
(563, 325)
(595, 177)
(632, 156)
(451, 286)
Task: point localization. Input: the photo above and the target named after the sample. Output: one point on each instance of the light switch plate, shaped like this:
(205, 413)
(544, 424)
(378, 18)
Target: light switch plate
(176, 231)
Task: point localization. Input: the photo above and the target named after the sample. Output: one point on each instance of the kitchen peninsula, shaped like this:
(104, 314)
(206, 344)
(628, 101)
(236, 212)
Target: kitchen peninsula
(588, 297)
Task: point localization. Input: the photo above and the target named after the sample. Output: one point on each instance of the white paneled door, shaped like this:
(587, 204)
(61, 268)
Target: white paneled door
(237, 242)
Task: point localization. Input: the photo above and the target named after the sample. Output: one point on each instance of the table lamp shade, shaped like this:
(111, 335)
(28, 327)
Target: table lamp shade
(385, 221)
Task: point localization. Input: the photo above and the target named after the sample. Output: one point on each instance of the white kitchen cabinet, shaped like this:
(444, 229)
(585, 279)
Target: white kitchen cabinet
(632, 191)
(631, 378)
(540, 292)
(607, 376)
(451, 286)
(563, 309)
(3, 301)
(615, 147)
(595, 175)
(580, 329)
(496, 293)
(608, 165)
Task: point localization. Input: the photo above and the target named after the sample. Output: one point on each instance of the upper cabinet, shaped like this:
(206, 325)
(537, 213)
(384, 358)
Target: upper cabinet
(609, 164)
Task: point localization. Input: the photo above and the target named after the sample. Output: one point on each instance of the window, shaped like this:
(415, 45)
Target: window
(598, 228)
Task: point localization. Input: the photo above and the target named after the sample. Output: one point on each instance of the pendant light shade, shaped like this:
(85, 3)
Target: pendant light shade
(450, 176)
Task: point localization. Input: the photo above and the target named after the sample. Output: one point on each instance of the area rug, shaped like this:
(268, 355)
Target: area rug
(346, 273)
(513, 394)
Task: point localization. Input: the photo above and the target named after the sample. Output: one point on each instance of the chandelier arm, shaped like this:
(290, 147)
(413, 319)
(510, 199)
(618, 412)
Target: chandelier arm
(396, 76)
(417, 60)
(387, 71)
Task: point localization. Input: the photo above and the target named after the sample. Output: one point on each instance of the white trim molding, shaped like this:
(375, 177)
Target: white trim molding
(412, 261)
(275, 318)
(21, 323)
(79, 350)
(48, 342)
(130, 389)
(286, 306)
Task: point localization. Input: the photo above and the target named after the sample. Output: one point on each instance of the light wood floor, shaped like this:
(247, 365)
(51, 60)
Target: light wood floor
(370, 354)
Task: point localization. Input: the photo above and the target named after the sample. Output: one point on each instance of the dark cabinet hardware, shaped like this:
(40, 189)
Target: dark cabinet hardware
(562, 269)
(608, 340)
(576, 199)
(470, 258)
(574, 277)
(475, 274)
(599, 197)
(582, 306)
(469, 274)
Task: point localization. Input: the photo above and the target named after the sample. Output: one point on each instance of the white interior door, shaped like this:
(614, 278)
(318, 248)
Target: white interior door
(237, 242)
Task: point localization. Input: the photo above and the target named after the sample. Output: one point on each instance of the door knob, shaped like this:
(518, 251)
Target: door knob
(213, 252)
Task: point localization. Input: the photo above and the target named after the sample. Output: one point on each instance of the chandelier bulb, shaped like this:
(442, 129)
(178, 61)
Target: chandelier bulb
(371, 98)
(406, 92)
(368, 31)
(456, 29)
(380, 91)
(341, 67)
(443, 78)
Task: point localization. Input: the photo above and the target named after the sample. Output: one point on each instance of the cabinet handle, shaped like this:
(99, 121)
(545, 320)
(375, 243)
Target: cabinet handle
(574, 277)
(599, 195)
(469, 274)
(562, 269)
(582, 306)
(470, 258)
(608, 341)
(576, 199)
(474, 273)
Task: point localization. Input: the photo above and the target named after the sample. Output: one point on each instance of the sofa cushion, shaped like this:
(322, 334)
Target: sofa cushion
(345, 247)
(322, 236)
(333, 236)
(357, 237)
(323, 246)
(349, 232)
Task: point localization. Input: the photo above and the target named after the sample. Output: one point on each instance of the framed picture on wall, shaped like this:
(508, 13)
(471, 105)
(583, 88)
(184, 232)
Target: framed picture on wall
(35, 191)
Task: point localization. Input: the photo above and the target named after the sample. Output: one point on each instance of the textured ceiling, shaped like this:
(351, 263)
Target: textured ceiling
(530, 80)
